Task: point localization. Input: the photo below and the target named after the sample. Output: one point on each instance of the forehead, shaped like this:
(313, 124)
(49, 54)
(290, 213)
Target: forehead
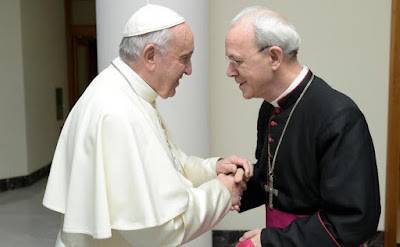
(183, 40)
(240, 37)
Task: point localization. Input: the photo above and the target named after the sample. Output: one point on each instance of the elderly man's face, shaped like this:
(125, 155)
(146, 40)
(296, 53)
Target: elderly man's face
(248, 64)
(177, 61)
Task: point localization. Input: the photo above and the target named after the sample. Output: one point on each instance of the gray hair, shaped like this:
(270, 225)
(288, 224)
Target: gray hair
(271, 29)
(131, 48)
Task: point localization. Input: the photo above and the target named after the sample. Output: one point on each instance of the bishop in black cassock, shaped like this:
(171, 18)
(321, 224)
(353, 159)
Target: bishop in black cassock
(316, 169)
(325, 169)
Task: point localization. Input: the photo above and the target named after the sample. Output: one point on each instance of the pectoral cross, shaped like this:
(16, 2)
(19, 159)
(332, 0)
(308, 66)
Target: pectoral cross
(270, 189)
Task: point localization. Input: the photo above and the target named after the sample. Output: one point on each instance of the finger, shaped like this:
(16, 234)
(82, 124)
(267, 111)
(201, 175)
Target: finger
(243, 237)
(237, 159)
(221, 175)
(248, 235)
(249, 170)
(225, 166)
(246, 168)
(239, 175)
(229, 168)
(235, 200)
(243, 185)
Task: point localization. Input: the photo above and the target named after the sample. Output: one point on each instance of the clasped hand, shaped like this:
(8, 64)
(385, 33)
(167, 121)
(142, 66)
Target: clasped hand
(234, 171)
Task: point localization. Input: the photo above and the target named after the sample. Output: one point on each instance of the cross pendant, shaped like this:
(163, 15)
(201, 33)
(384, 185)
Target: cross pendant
(271, 191)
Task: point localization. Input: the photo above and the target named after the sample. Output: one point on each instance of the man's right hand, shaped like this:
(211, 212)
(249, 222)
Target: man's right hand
(235, 185)
(254, 236)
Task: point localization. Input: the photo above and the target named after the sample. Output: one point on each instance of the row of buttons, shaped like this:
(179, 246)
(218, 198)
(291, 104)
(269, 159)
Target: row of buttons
(273, 124)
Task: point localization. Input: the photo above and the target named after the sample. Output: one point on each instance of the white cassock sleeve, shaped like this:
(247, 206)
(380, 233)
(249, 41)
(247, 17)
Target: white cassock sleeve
(197, 170)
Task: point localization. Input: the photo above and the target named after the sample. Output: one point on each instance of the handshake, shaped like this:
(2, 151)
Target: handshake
(234, 172)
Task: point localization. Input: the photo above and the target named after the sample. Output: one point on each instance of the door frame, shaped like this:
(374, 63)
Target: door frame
(73, 34)
(393, 143)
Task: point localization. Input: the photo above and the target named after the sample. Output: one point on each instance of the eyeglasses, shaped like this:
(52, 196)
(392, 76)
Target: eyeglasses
(237, 63)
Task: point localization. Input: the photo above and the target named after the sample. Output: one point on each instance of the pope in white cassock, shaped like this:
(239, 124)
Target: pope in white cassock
(116, 177)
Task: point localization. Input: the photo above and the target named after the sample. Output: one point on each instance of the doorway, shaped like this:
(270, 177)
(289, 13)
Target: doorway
(80, 19)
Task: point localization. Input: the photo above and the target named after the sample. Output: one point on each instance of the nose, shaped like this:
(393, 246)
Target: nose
(231, 71)
(188, 68)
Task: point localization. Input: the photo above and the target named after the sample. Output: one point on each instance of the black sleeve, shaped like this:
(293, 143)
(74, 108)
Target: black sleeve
(254, 196)
(349, 188)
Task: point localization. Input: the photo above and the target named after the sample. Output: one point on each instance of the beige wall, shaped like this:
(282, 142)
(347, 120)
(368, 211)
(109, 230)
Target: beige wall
(32, 65)
(13, 151)
(344, 42)
(44, 63)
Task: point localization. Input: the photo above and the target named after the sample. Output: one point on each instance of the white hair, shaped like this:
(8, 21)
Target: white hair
(271, 29)
(131, 48)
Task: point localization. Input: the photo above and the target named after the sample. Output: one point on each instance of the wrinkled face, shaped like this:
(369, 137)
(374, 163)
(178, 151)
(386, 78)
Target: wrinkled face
(250, 63)
(176, 62)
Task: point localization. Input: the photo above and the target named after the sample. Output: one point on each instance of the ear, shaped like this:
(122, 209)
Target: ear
(276, 57)
(149, 57)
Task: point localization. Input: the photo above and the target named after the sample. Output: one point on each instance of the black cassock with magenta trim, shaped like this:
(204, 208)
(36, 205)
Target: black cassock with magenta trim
(325, 171)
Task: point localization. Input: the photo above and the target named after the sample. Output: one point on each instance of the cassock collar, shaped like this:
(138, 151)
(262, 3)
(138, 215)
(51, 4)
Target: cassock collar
(291, 94)
(143, 89)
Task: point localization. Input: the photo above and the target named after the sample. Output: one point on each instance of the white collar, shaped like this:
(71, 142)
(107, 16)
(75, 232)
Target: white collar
(292, 86)
(141, 87)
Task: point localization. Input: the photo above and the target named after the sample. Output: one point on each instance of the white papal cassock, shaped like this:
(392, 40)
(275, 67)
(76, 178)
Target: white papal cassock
(119, 181)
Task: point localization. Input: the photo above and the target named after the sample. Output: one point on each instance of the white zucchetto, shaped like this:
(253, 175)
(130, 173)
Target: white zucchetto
(151, 18)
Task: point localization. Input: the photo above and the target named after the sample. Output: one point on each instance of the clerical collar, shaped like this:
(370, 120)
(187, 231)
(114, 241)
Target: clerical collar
(142, 89)
(292, 86)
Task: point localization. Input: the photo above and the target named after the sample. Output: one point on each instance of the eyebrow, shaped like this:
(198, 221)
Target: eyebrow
(233, 56)
(186, 54)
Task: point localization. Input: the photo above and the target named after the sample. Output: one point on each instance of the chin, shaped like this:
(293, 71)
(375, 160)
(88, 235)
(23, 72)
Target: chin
(246, 95)
(171, 94)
